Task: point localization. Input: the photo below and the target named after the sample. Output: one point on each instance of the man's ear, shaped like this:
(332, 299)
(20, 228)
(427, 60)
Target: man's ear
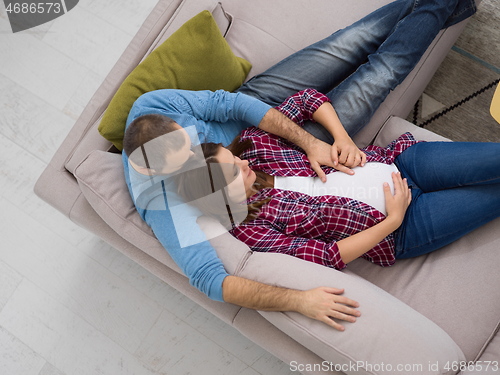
(142, 170)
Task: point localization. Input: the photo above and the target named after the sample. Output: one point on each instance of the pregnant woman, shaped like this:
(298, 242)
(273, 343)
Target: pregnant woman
(405, 200)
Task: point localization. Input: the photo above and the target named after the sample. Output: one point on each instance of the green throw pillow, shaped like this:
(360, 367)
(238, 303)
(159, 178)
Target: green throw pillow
(195, 57)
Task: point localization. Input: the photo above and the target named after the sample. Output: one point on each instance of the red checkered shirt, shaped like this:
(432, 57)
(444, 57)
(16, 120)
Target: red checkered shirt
(301, 225)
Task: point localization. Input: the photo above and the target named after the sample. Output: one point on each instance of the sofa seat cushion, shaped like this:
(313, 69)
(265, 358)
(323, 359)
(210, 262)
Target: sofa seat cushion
(195, 57)
(463, 277)
(456, 286)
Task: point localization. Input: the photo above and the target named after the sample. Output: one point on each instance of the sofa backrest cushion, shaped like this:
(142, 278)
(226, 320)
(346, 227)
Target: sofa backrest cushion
(195, 57)
(102, 181)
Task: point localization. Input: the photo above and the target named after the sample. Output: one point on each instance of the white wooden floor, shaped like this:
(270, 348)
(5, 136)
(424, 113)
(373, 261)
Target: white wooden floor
(69, 303)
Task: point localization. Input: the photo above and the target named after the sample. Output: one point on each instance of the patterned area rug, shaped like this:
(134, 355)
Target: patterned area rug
(456, 103)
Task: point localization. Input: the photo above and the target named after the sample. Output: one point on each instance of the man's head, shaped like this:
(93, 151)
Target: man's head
(156, 144)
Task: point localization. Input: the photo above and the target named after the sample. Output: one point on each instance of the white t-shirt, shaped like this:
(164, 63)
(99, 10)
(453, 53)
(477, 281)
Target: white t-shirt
(366, 185)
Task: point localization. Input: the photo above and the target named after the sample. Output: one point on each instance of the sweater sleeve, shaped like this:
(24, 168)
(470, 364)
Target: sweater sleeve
(181, 236)
(199, 262)
(219, 106)
(265, 238)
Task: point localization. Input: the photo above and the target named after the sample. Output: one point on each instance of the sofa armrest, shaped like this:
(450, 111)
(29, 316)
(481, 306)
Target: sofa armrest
(489, 361)
(388, 331)
(396, 126)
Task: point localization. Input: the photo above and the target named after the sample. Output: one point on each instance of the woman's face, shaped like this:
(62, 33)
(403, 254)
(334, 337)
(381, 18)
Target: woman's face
(241, 187)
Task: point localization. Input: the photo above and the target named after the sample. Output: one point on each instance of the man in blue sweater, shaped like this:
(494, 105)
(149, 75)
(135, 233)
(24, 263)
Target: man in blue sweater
(355, 67)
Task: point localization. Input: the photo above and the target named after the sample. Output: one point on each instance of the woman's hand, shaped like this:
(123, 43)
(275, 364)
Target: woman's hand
(354, 246)
(345, 152)
(319, 153)
(325, 304)
(397, 203)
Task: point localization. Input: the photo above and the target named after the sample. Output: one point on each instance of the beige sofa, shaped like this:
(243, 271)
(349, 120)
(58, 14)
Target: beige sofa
(421, 316)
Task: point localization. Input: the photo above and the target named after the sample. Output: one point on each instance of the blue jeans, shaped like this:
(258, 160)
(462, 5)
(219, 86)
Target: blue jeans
(455, 189)
(358, 66)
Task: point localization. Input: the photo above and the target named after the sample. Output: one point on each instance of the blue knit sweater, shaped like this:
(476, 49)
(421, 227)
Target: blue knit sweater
(215, 117)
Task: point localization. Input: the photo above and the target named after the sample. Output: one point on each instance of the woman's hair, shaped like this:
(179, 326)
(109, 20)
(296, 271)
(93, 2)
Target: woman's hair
(149, 138)
(196, 186)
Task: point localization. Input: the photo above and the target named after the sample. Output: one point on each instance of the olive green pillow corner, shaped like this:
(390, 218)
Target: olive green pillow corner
(195, 57)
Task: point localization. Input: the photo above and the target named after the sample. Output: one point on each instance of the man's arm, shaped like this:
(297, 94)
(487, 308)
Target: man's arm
(321, 304)
(238, 111)
(310, 104)
(226, 108)
(318, 152)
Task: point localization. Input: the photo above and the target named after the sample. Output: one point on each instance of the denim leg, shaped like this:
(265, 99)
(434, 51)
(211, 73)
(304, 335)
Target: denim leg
(323, 65)
(463, 10)
(358, 97)
(439, 218)
(358, 66)
(455, 189)
(434, 166)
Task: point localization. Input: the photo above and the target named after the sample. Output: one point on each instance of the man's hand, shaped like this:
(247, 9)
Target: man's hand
(325, 304)
(342, 155)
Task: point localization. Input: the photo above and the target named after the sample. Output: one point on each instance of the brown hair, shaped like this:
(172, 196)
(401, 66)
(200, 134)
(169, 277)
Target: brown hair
(145, 130)
(194, 184)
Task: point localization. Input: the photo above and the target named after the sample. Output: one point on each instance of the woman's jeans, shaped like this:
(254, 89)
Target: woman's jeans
(358, 66)
(455, 189)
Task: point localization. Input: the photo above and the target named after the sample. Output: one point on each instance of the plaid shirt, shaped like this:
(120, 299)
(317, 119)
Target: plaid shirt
(301, 225)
